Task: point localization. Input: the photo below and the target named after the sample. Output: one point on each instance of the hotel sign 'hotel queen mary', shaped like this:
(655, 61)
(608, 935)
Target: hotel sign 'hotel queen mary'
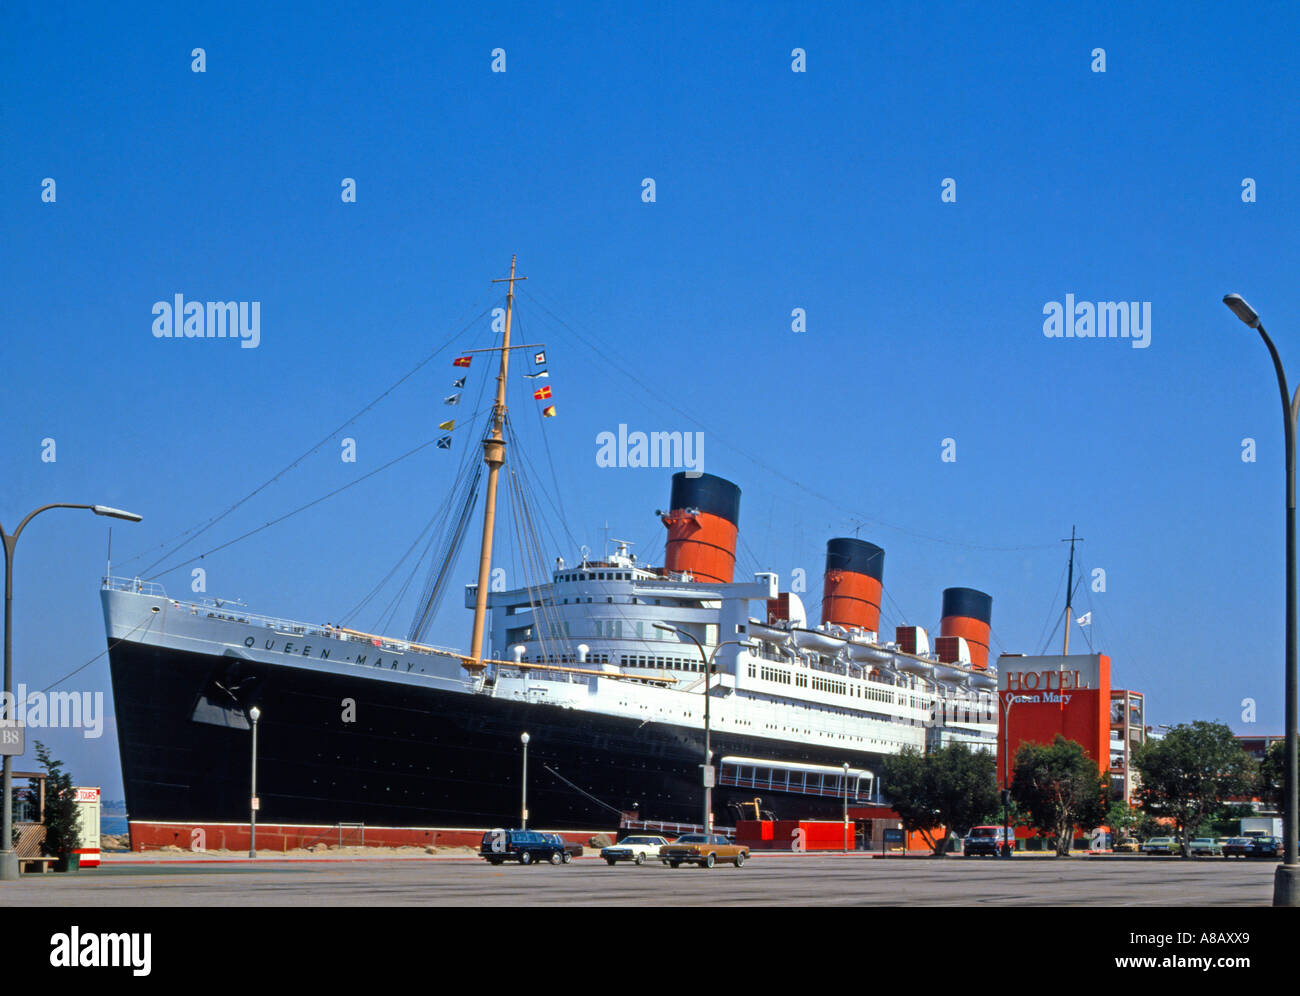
(1041, 697)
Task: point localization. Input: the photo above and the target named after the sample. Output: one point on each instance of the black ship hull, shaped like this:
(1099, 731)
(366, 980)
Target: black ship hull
(339, 749)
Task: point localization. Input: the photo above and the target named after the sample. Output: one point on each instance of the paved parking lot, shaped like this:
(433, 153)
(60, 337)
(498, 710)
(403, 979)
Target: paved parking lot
(766, 880)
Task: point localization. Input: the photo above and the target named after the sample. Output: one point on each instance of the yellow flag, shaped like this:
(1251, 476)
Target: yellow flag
(447, 426)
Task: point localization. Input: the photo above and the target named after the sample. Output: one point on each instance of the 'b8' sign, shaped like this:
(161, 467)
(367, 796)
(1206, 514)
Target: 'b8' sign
(12, 740)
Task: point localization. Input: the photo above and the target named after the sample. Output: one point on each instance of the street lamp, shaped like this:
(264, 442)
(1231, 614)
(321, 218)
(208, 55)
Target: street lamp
(8, 859)
(523, 808)
(1286, 880)
(707, 770)
(846, 807)
(254, 714)
(1006, 776)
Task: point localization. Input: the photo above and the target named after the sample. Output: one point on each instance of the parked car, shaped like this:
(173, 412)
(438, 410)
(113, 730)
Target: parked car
(1128, 845)
(1237, 847)
(634, 849)
(571, 851)
(701, 849)
(1206, 847)
(1161, 845)
(986, 841)
(1265, 847)
(524, 846)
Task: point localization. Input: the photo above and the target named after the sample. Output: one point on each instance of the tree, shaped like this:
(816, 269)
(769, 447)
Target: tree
(1122, 820)
(1272, 775)
(1190, 772)
(1226, 820)
(62, 836)
(952, 787)
(1148, 826)
(1059, 787)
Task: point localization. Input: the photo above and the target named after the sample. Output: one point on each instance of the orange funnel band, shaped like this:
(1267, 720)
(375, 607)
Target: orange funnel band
(701, 543)
(850, 599)
(976, 634)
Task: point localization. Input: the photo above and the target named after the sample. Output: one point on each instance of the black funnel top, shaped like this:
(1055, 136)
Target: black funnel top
(968, 603)
(856, 556)
(707, 493)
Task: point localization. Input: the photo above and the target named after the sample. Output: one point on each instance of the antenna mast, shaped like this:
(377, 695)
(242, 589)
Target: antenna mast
(494, 455)
(1069, 589)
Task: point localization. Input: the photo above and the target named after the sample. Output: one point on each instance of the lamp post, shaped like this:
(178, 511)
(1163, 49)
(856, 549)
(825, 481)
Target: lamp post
(706, 770)
(8, 859)
(523, 805)
(1286, 880)
(1006, 774)
(254, 714)
(846, 807)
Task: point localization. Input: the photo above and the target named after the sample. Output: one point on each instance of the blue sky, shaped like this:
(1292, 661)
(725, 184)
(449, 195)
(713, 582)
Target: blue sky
(775, 190)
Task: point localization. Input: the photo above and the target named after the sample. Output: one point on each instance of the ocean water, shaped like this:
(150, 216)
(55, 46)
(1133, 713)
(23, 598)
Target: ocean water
(112, 824)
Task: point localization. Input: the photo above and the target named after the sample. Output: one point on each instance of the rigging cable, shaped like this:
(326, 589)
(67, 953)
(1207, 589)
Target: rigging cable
(214, 520)
(582, 791)
(443, 563)
(775, 472)
(146, 622)
(437, 584)
(301, 508)
(439, 514)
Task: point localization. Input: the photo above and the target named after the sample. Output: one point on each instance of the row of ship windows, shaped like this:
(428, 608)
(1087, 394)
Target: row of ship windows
(777, 728)
(609, 600)
(784, 677)
(567, 659)
(596, 576)
(676, 663)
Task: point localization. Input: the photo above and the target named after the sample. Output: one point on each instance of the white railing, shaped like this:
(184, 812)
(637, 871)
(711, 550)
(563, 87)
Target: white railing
(675, 829)
(230, 612)
(137, 585)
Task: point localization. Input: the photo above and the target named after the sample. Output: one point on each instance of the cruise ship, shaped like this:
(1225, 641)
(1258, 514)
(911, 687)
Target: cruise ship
(617, 670)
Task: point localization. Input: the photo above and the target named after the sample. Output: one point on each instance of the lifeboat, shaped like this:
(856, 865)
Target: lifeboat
(774, 635)
(952, 674)
(861, 652)
(917, 666)
(818, 641)
(983, 679)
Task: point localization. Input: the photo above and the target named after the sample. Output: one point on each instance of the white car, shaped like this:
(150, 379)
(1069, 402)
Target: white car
(634, 849)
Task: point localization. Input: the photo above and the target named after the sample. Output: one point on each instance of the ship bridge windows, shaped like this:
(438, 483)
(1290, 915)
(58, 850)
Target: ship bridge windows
(659, 663)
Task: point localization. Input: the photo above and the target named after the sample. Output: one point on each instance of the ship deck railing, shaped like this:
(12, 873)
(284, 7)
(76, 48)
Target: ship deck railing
(675, 829)
(232, 613)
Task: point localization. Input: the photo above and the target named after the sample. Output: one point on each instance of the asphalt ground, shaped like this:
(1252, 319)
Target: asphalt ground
(765, 880)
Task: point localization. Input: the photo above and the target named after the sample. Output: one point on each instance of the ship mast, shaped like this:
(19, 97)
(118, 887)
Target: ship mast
(1069, 589)
(494, 455)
